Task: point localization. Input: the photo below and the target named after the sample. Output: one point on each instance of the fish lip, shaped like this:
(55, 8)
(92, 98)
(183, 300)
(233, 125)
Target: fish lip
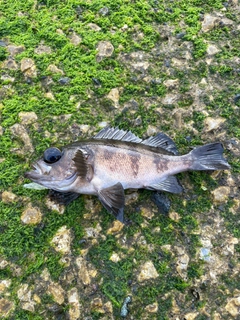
(33, 173)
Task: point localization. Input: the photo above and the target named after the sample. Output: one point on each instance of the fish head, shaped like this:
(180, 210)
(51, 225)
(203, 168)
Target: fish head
(54, 170)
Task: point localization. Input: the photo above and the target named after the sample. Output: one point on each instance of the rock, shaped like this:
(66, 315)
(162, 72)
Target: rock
(14, 50)
(233, 307)
(170, 98)
(49, 95)
(117, 227)
(141, 66)
(94, 26)
(152, 308)
(147, 272)
(209, 22)
(1, 130)
(4, 284)
(64, 81)
(74, 305)
(93, 232)
(171, 83)
(151, 130)
(31, 215)
(75, 39)
(124, 308)
(62, 240)
(174, 216)
(6, 307)
(6, 77)
(86, 273)
(28, 68)
(55, 206)
(27, 117)
(54, 69)
(114, 96)
(182, 264)
(220, 195)
(146, 212)
(162, 202)
(114, 257)
(190, 316)
(42, 49)
(96, 303)
(211, 50)
(213, 123)
(25, 297)
(104, 11)
(105, 49)
(8, 197)
(57, 292)
(10, 64)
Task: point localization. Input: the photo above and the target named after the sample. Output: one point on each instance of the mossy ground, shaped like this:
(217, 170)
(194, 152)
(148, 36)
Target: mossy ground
(30, 23)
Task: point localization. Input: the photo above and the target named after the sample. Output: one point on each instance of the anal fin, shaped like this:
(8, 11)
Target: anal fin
(170, 184)
(113, 199)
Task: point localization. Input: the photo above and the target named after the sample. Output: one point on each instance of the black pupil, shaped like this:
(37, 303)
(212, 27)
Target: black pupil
(52, 155)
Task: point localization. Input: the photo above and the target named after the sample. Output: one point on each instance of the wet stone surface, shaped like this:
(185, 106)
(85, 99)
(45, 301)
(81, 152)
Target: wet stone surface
(68, 70)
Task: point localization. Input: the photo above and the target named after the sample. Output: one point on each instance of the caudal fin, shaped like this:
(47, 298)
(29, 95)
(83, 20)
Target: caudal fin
(209, 157)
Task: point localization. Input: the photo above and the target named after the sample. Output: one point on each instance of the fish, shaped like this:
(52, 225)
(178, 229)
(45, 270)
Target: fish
(114, 160)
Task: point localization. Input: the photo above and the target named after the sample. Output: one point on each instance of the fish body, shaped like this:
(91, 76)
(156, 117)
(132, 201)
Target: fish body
(115, 160)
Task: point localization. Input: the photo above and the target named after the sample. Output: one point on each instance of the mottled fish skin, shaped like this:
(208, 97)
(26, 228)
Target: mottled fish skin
(115, 160)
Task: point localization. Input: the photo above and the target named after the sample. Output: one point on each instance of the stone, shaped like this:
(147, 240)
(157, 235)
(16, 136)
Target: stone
(8, 197)
(4, 284)
(28, 68)
(42, 49)
(171, 83)
(141, 66)
(211, 50)
(57, 292)
(115, 257)
(117, 227)
(75, 39)
(114, 96)
(93, 232)
(182, 264)
(1, 130)
(233, 307)
(10, 64)
(146, 212)
(213, 123)
(74, 305)
(54, 69)
(221, 194)
(62, 240)
(104, 11)
(49, 95)
(209, 22)
(83, 273)
(152, 308)
(147, 272)
(55, 206)
(190, 316)
(6, 307)
(64, 81)
(96, 303)
(25, 297)
(27, 117)
(14, 50)
(174, 216)
(105, 49)
(31, 215)
(6, 77)
(170, 98)
(94, 26)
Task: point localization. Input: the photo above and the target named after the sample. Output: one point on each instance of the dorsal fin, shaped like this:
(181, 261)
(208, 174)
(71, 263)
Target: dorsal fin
(161, 140)
(117, 134)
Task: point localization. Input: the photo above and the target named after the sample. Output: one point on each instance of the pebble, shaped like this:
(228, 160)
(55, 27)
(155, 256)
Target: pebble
(57, 292)
(233, 307)
(42, 49)
(84, 272)
(64, 81)
(10, 64)
(190, 316)
(124, 308)
(114, 96)
(212, 50)
(60, 208)
(116, 227)
(147, 272)
(62, 240)
(31, 215)
(4, 284)
(74, 305)
(162, 202)
(209, 22)
(6, 307)
(75, 39)
(221, 194)
(27, 117)
(105, 49)
(170, 99)
(104, 11)
(213, 123)
(14, 50)
(8, 197)
(54, 69)
(114, 257)
(28, 67)
(152, 308)
(94, 26)
(25, 296)
(19, 131)
(171, 83)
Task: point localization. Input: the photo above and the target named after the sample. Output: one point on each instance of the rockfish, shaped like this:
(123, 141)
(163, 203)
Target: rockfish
(115, 160)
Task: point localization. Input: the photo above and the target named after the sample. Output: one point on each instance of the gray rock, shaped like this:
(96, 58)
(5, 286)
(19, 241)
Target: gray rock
(105, 49)
(104, 11)
(6, 307)
(28, 67)
(42, 49)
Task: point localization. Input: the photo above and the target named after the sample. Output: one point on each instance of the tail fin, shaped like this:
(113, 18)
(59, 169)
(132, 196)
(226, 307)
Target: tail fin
(209, 157)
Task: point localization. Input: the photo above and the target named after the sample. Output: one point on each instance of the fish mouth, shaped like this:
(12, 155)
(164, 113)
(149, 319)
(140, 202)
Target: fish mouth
(35, 174)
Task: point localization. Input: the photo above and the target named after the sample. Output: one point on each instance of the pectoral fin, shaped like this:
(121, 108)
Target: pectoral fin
(63, 197)
(113, 200)
(170, 184)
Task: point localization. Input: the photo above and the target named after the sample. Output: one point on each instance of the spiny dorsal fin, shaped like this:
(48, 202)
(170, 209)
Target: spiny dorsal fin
(161, 140)
(81, 164)
(117, 134)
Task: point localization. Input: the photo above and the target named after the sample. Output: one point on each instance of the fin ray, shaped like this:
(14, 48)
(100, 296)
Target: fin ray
(161, 140)
(170, 184)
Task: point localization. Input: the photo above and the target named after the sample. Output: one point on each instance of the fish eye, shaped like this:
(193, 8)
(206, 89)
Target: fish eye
(52, 155)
